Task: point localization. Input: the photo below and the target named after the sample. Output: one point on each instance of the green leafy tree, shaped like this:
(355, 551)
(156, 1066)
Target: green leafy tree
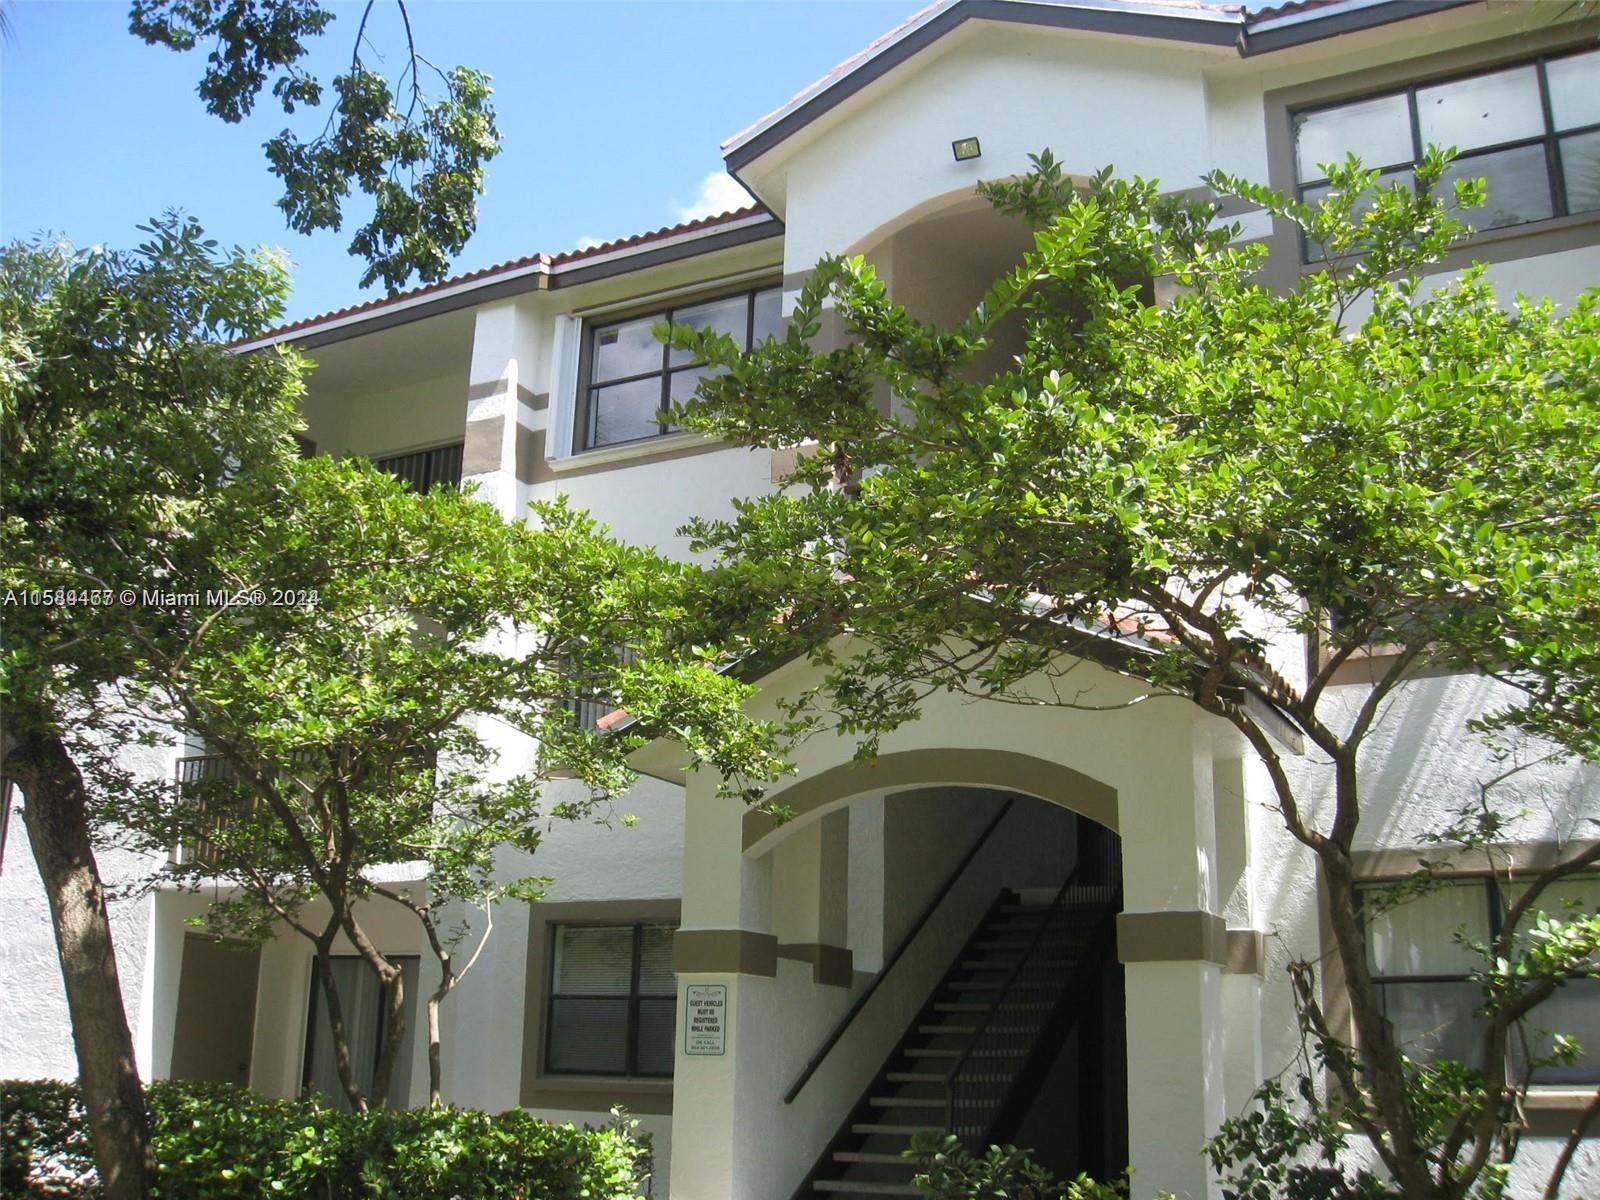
(122, 417)
(352, 717)
(419, 160)
(1178, 487)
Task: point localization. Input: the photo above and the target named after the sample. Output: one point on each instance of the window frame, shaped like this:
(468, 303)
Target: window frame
(1491, 885)
(584, 410)
(1550, 139)
(631, 1032)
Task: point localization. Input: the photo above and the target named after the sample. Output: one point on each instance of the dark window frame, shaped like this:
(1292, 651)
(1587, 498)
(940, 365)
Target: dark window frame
(584, 418)
(426, 468)
(631, 1033)
(1550, 139)
(1493, 904)
(315, 998)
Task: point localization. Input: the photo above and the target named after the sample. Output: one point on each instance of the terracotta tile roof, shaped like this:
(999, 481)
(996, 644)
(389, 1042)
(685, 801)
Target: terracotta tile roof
(1290, 8)
(516, 264)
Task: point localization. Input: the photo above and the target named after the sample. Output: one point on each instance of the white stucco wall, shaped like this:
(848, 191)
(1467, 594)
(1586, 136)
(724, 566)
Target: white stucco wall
(35, 1029)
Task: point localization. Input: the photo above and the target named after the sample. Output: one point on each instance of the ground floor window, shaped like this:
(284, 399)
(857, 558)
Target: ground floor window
(1422, 962)
(363, 1001)
(613, 1000)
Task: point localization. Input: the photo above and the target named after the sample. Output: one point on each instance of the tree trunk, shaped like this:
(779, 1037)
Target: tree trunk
(57, 820)
(341, 1037)
(1380, 1057)
(394, 1003)
(435, 1058)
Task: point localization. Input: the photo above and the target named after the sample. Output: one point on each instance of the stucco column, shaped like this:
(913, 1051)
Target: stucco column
(1241, 974)
(726, 958)
(505, 418)
(1172, 940)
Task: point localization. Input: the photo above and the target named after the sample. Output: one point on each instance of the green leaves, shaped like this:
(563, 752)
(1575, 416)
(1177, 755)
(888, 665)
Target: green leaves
(1421, 461)
(213, 1141)
(418, 160)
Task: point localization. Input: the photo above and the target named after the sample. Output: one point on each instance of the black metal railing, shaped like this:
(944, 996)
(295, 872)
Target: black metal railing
(899, 950)
(202, 779)
(589, 708)
(978, 1084)
(423, 470)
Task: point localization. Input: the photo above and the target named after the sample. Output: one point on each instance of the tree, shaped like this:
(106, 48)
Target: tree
(372, 635)
(152, 494)
(420, 160)
(122, 416)
(1199, 485)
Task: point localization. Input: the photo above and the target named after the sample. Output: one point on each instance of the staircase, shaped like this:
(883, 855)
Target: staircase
(982, 1040)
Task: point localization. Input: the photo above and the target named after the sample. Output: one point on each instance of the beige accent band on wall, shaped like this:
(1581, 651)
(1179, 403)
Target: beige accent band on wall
(501, 386)
(1177, 936)
(830, 965)
(724, 952)
(481, 453)
(1246, 952)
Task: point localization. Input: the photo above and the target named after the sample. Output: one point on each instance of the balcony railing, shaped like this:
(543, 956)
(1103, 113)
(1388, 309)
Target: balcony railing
(424, 470)
(588, 710)
(196, 772)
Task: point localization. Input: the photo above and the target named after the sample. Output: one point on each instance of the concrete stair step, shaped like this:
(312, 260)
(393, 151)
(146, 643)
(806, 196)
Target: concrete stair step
(864, 1187)
(892, 1129)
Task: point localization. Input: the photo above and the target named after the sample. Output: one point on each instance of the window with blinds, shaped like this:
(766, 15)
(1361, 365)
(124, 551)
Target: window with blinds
(613, 1000)
(1425, 979)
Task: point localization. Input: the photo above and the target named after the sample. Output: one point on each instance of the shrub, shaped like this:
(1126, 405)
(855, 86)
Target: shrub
(949, 1172)
(218, 1142)
(44, 1140)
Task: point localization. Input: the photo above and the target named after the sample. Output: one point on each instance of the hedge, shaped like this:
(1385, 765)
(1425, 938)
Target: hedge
(219, 1142)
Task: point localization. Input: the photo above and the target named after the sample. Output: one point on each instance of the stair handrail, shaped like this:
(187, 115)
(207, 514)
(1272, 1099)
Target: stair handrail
(1052, 913)
(860, 1002)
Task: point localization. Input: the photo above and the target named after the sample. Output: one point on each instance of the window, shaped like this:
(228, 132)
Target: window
(629, 380)
(363, 1002)
(424, 470)
(613, 1000)
(1425, 984)
(1531, 130)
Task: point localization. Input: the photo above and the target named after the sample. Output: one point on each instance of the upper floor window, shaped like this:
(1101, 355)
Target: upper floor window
(424, 470)
(1531, 131)
(628, 380)
(1426, 985)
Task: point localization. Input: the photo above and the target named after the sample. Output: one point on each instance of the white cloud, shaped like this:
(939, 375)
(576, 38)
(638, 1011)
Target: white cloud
(588, 241)
(719, 193)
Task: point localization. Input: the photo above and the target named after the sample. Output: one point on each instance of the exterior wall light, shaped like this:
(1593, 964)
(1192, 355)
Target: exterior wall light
(966, 149)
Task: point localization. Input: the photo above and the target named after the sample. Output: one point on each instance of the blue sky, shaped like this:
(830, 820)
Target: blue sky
(612, 114)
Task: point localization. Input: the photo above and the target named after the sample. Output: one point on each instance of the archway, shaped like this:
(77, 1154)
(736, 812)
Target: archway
(987, 916)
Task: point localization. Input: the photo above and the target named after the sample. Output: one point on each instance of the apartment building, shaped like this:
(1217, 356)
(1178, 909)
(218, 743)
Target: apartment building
(780, 1005)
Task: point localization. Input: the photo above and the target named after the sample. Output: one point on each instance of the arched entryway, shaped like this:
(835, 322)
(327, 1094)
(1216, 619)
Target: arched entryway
(775, 920)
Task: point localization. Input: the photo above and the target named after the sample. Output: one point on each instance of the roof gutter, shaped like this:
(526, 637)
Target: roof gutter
(1300, 28)
(543, 274)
